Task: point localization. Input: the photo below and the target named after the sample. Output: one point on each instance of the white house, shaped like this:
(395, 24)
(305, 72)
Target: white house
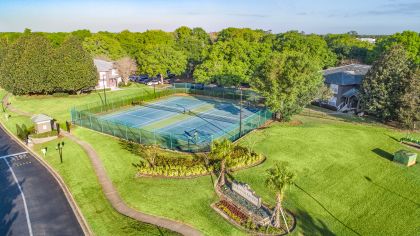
(108, 74)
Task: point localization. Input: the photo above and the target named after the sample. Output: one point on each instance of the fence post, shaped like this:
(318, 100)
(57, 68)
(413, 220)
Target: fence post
(90, 121)
(126, 128)
(170, 137)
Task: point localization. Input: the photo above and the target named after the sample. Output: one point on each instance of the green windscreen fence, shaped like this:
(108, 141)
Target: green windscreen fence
(88, 116)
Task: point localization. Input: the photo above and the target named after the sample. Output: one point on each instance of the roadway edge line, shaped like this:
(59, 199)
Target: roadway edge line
(76, 210)
(28, 219)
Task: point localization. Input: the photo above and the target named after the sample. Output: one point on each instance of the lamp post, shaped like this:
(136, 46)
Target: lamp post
(60, 147)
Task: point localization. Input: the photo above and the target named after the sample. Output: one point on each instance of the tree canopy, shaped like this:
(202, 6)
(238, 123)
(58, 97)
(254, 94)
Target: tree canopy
(312, 45)
(410, 41)
(104, 45)
(348, 48)
(33, 66)
(391, 88)
(26, 65)
(288, 80)
(72, 68)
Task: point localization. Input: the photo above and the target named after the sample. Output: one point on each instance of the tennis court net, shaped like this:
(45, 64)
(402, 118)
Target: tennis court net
(191, 113)
(214, 117)
(165, 108)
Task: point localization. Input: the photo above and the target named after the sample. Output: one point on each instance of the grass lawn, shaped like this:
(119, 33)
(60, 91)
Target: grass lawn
(59, 108)
(346, 184)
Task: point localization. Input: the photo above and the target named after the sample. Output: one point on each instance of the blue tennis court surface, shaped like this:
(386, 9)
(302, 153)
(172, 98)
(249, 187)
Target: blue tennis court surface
(184, 116)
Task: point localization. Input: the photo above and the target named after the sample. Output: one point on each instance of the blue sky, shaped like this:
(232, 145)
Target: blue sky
(311, 16)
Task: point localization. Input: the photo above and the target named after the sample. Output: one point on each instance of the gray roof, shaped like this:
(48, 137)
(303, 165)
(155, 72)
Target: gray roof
(40, 118)
(346, 75)
(103, 65)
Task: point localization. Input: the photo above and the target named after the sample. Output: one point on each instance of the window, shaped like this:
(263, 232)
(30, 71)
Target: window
(333, 101)
(44, 127)
(334, 88)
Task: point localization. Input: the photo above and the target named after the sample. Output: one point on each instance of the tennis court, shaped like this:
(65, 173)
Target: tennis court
(190, 118)
(179, 118)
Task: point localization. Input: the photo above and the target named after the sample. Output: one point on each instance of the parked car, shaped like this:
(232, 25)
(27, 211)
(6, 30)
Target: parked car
(153, 82)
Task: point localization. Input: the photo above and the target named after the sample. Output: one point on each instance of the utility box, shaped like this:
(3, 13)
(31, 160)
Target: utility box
(405, 157)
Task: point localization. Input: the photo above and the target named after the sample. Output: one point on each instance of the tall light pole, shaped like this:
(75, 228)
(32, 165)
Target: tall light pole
(240, 114)
(60, 147)
(103, 83)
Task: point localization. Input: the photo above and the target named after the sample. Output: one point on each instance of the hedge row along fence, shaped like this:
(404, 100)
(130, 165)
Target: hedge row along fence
(88, 116)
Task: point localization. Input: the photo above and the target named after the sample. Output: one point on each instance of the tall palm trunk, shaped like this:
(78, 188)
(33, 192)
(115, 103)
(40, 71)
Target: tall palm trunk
(222, 173)
(277, 211)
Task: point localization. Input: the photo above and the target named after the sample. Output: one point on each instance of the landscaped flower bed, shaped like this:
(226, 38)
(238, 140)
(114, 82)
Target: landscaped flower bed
(232, 211)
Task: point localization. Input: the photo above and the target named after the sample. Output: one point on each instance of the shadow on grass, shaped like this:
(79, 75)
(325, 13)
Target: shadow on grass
(393, 138)
(323, 207)
(384, 154)
(391, 191)
(311, 226)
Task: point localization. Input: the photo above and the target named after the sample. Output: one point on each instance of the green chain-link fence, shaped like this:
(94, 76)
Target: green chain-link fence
(89, 116)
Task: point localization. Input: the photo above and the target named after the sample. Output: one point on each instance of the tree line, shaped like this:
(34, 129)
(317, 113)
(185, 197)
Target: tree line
(284, 67)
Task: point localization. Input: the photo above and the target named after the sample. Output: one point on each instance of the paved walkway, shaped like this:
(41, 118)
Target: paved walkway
(6, 104)
(116, 201)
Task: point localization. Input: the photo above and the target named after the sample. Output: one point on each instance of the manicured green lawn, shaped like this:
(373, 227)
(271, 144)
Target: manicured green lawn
(346, 183)
(59, 108)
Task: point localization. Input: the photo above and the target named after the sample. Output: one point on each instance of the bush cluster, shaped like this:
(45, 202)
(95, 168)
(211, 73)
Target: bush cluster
(157, 162)
(410, 139)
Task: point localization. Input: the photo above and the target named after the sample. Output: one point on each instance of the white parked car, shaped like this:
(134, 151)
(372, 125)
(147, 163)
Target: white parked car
(153, 82)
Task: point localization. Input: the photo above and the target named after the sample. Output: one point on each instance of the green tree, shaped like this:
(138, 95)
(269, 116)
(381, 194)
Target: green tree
(3, 49)
(72, 68)
(288, 80)
(222, 151)
(278, 178)
(390, 89)
(26, 66)
(104, 45)
(81, 34)
(410, 41)
(232, 62)
(194, 43)
(245, 34)
(314, 46)
(348, 48)
(409, 110)
(158, 58)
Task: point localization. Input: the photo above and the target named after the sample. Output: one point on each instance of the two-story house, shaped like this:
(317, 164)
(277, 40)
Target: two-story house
(108, 74)
(344, 82)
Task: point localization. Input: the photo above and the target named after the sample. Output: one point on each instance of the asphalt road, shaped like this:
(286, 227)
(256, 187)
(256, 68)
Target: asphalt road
(31, 200)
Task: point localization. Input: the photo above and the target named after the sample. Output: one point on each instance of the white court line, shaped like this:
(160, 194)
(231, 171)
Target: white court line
(28, 221)
(11, 155)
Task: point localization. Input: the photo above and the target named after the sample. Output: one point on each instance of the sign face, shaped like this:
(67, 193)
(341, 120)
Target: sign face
(44, 151)
(247, 193)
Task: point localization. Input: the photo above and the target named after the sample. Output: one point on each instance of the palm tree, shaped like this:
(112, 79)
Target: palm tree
(279, 177)
(222, 151)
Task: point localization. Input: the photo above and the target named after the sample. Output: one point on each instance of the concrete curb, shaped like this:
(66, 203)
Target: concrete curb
(77, 212)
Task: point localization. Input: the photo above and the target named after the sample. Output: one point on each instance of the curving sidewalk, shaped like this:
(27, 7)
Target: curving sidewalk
(6, 104)
(116, 201)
